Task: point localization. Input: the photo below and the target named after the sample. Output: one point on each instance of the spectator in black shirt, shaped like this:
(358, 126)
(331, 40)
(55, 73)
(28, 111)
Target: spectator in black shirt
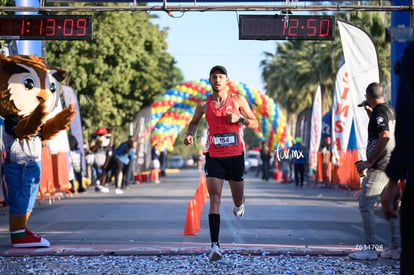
(380, 145)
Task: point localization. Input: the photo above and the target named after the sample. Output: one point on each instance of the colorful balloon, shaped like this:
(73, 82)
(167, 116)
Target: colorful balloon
(172, 111)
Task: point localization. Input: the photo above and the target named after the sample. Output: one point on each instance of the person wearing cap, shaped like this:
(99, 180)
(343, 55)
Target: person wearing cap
(98, 158)
(101, 132)
(226, 115)
(381, 142)
(298, 152)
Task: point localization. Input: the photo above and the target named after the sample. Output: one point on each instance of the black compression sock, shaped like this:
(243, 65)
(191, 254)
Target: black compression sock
(214, 222)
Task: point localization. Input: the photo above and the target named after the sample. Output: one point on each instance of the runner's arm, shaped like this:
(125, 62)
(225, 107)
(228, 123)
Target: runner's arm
(192, 127)
(250, 119)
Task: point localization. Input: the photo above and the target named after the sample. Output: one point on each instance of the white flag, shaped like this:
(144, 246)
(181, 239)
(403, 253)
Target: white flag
(361, 62)
(342, 113)
(316, 129)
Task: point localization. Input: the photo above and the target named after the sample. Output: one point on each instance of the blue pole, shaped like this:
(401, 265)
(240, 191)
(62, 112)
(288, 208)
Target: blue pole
(397, 48)
(28, 47)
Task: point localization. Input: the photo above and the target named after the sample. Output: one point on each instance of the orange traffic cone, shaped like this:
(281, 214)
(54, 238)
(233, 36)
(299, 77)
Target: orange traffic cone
(190, 226)
(201, 194)
(202, 201)
(202, 178)
(197, 214)
(203, 184)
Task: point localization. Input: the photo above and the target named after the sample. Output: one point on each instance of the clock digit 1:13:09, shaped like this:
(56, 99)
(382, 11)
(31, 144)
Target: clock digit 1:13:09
(46, 27)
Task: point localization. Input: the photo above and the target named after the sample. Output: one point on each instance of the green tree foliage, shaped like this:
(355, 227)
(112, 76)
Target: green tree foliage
(6, 3)
(292, 75)
(123, 69)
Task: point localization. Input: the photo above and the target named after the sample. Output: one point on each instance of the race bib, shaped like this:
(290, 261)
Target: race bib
(226, 139)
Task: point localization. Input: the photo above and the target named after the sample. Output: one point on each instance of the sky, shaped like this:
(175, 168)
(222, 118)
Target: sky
(200, 40)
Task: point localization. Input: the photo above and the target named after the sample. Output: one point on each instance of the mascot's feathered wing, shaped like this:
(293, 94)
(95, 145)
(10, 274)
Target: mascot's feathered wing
(28, 92)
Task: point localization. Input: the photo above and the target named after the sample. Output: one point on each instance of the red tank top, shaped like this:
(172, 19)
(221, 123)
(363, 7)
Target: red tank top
(224, 139)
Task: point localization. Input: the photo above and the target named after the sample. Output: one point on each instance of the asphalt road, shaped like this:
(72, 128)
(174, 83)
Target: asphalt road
(149, 218)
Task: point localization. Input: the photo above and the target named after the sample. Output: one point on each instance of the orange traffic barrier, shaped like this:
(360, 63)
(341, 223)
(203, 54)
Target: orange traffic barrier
(343, 175)
(190, 224)
(145, 177)
(335, 174)
(152, 177)
(139, 178)
(327, 169)
(343, 170)
(46, 185)
(346, 170)
(319, 168)
(60, 172)
(324, 171)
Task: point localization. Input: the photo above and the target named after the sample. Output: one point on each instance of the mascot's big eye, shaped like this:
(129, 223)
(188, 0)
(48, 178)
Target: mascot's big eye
(29, 83)
(53, 87)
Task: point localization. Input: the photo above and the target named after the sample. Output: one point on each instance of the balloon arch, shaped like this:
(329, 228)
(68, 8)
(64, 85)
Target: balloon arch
(172, 111)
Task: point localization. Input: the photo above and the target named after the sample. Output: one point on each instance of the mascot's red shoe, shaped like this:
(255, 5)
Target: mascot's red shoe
(25, 238)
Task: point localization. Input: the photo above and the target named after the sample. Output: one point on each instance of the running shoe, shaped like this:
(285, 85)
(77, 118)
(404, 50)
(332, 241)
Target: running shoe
(100, 188)
(238, 211)
(215, 253)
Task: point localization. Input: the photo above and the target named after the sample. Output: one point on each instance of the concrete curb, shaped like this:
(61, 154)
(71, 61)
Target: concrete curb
(177, 249)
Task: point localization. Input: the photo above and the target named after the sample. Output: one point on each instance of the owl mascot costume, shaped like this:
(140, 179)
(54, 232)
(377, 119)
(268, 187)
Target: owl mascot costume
(28, 93)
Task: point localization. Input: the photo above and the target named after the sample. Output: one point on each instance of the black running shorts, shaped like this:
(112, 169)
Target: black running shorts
(227, 168)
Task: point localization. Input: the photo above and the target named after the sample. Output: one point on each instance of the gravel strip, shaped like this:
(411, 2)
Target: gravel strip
(196, 264)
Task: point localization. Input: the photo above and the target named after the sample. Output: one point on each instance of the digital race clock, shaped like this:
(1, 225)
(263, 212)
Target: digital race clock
(286, 27)
(46, 27)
